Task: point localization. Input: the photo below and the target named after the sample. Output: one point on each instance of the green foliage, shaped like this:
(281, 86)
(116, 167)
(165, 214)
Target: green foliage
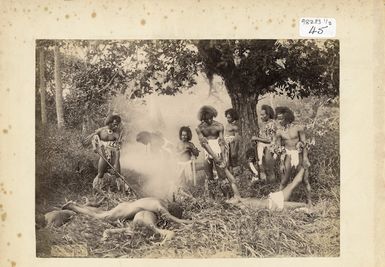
(61, 162)
(93, 72)
(298, 68)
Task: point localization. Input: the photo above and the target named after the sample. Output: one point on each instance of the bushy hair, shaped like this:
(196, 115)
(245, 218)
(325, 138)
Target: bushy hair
(187, 130)
(233, 113)
(207, 111)
(111, 118)
(269, 111)
(287, 113)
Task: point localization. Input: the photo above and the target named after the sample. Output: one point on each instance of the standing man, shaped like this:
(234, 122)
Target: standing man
(210, 135)
(291, 142)
(264, 141)
(232, 137)
(106, 142)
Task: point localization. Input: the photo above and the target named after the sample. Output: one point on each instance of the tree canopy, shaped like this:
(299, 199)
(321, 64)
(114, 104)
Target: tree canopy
(93, 71)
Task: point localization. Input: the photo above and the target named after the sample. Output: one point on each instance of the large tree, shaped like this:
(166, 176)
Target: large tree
(251, 68)
(42, 90)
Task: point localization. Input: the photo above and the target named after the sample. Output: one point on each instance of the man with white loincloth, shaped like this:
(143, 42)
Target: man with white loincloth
(290, 141)
(210, 134)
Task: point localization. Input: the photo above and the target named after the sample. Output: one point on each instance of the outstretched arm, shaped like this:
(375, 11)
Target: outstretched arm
(87, 140)
(260, 139)
(165, 214)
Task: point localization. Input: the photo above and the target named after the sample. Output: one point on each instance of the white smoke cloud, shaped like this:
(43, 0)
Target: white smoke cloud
(165, 114)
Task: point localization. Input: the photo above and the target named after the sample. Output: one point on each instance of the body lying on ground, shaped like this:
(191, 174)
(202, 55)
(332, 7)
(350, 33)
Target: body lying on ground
(144, 211)
(277, 200)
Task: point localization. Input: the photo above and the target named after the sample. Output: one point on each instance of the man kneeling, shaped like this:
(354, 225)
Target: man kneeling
(144, 211)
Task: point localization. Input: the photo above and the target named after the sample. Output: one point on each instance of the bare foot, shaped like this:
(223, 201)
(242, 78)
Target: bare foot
(233, 200)
(166, 235)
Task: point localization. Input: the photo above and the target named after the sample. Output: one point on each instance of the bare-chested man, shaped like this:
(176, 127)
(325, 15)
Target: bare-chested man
(210, 134)
(143, 211)
(106, 141)
(291, 142)
(232, 137)
(264, 140)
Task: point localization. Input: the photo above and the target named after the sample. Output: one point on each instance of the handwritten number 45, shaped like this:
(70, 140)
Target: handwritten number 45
(314, 30)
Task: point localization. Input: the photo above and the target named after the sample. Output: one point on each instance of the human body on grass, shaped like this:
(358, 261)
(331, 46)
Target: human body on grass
(144, 211)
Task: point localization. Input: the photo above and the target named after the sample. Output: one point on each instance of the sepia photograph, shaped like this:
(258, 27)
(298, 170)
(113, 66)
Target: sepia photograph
(187, 148)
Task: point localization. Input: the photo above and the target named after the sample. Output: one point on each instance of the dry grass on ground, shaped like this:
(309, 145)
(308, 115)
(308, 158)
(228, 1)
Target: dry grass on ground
(219, 230)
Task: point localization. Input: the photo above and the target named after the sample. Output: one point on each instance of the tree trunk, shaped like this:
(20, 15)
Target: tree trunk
(42, 88)
(248, 120)
(58, 90)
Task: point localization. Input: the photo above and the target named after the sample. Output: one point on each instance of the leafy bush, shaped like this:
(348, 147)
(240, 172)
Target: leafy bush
(61, 161)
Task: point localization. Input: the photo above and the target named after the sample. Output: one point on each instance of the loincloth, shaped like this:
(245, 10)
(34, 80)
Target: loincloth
(260, 149)
(276, 201)
(216, 148)
(294, 157)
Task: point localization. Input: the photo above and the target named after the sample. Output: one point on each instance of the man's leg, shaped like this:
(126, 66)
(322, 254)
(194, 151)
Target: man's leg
(208, 167)
(93, 212)
(165, 214)
(149, 219)
(308, 187)
(145, 218)
(102, 167)
(234, 149)
(232, 181)
(285, 173)
(269, 165)
(287, 191)
(293, 205)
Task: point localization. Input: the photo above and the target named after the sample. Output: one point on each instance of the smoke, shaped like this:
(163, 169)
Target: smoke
(164, 114)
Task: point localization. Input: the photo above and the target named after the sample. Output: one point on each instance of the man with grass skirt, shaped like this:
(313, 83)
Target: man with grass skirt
(210, 135)
(106, 142)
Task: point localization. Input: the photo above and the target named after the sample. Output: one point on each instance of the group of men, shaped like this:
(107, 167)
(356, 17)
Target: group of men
(279, 139)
